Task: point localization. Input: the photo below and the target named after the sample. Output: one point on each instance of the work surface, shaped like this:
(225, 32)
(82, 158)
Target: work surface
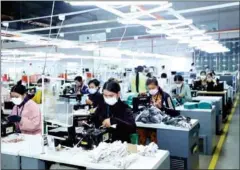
(31, 147)
(194, 122)
(181, 108)
(211, 98)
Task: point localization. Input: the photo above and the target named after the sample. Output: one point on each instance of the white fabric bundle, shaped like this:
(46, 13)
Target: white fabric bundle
(125, 162)
(148, 150)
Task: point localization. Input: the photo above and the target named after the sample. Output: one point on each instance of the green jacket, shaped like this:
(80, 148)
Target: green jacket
(142, 84)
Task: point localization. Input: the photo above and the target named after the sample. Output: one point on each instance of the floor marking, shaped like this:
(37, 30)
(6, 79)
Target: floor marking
(217, 152)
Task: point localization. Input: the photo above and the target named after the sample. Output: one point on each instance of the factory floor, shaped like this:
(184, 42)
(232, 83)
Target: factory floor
(228, 157)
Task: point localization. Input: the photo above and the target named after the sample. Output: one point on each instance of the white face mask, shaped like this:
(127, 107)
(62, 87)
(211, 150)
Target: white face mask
(17, 101)
(203, 77)
(111, 100)
(153, 92)
(179, 85)
(92, 90)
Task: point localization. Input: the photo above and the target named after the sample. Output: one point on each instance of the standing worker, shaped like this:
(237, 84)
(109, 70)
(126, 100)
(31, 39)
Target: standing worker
(138, 83)
(26, 114)
(38, 95)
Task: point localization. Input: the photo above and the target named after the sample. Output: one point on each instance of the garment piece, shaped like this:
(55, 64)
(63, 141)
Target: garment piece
(154, 115)
(119, 114)
(38, 97)
(30, 117)
(149, 150)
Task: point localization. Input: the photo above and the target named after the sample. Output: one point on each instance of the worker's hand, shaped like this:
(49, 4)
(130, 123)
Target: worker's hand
(106, 123)
(14, 119)
(158, 104)
(179, 96)
(89, 102)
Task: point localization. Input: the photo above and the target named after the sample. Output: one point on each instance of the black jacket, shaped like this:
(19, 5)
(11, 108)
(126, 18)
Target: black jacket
(120, 114)
(96, 98)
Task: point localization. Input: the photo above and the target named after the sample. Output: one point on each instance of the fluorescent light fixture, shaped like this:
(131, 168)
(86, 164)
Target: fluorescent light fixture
(90, 3)
(150, 22)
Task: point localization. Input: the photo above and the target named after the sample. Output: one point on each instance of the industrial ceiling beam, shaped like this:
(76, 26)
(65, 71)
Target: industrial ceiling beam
(226, 5)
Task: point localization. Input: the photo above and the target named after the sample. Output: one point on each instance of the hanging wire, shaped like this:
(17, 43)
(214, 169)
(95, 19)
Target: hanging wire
(45, 61)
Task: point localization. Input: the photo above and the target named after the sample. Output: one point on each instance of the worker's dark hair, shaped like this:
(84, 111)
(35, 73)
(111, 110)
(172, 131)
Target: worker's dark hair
(149, 75)
(78, 78)
(213, 72)
(112, 86)
(138, 69)
(19, 82)
(152, 81)
(163, 66)
(163, 75)
(155, 82)
(20, 89)
(178, 78)
(45, 80)
(203, 72)
(192, 64)
(210, 74)
(95, 82)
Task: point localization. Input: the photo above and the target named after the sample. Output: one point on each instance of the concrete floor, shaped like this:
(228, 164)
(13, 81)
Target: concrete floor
(229, 156)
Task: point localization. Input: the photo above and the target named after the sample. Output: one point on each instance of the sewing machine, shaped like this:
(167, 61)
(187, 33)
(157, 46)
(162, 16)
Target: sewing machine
(7, 128)
(140, 102)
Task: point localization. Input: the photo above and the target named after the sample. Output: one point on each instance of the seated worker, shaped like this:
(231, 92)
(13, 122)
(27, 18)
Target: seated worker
(182, 90)
(26, 114)
(81, 88)
(115, 112)
(202, 83)
(211, 82)
(38, 95)
(159, 99)
(95, 97)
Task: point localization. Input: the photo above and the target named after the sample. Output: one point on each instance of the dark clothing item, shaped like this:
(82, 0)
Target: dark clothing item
(120, 114)
(96, 98)
(82, 90)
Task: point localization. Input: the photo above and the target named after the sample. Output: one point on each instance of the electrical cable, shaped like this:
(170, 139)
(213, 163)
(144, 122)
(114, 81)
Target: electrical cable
(44, 67)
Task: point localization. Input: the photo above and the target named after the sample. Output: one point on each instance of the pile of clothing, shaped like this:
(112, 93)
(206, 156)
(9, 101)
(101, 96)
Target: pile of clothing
(154, 115)
(117, 154)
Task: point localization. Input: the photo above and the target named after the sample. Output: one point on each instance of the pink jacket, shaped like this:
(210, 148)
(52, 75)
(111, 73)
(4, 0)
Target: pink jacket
(31, 118)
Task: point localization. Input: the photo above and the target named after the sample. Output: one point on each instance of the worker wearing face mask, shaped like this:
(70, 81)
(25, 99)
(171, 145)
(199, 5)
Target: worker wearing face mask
(182, 90)
(210, 80)
(26, 114)
(38, 95)
(159, 99)
(95, 97)
(114, 112)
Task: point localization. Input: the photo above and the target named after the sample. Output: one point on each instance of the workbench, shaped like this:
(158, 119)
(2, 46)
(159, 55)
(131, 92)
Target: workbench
(223, 94)
(217, 102)
(182, 143)
(28, 155)
(207, 121)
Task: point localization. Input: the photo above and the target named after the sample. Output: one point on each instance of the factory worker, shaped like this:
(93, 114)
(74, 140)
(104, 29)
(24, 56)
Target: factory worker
(38, 95)
(182, 90)
(203, 78)
(138, 82)
(95, 97)
(26, 114)
(114, 112)
(81, 88)
(211, 80)
(159, 98)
